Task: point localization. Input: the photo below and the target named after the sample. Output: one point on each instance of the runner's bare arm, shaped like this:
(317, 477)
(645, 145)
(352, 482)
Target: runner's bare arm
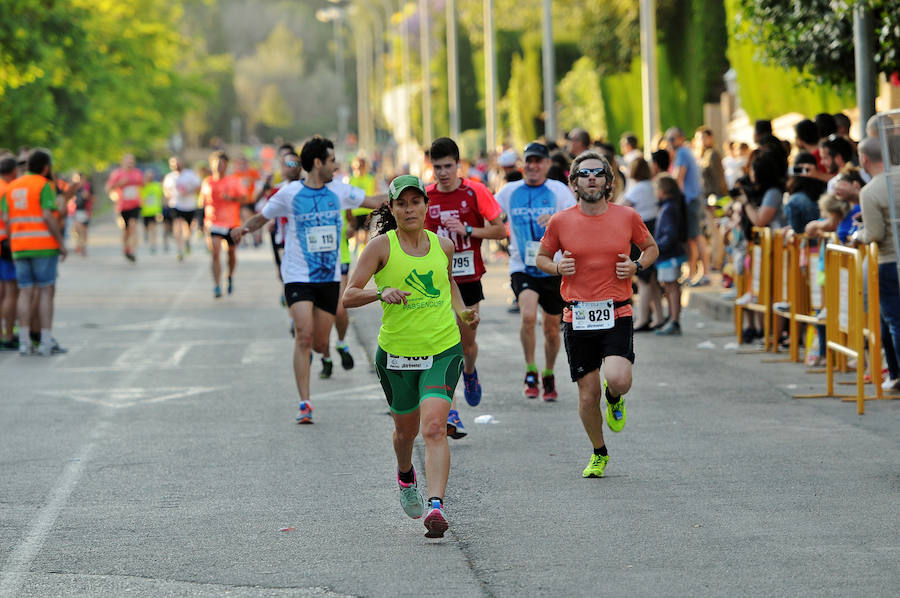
(650, 251)
(255, 223)
(373, 202)
(54, 228)
(372, 259)
(470, 317)
(544, 262)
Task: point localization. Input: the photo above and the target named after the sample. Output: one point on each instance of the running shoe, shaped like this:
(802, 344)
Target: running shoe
(26, 349)
(549, 383)
(346, 358)
(472, 388)
(435, 522)
(615, 412)
(179, 256)
(217, 291)
(670, 329)
(130, 257)
(304, 415)
(230, 286)
(411, 499)
(531, 389)
(595, 467)
(10, 345)
(327, 368)
(455, 429)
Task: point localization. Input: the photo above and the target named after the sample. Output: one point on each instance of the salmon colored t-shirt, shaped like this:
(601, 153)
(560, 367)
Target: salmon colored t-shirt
(248, 179)
(125, 188)
(595, 242)
(222, 202)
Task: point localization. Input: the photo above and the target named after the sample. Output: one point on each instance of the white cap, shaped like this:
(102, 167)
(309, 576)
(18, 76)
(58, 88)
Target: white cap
(508, 158)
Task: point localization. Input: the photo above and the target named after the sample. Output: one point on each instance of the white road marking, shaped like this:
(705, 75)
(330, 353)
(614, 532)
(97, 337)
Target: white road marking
(18, 565)
(120, 398)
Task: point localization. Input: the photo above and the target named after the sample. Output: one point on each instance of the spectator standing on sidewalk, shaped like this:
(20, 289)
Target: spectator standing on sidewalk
(641, 196)
(686, 172)
(876, 220)
(671, 235)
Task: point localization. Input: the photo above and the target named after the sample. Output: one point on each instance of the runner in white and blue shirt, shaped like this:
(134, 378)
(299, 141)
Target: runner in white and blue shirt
(528, 204)
(311, 266)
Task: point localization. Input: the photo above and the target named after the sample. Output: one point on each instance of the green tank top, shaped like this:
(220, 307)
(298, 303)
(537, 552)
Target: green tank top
(426, 325)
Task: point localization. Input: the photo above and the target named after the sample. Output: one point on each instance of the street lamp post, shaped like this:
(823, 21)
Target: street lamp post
(490, 78)
(649, 80)
(452, 70)
(334, 15)
(548, 59)
(424, 42)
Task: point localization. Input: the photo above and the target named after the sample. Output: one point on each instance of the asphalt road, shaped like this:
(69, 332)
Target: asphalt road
(159, 457)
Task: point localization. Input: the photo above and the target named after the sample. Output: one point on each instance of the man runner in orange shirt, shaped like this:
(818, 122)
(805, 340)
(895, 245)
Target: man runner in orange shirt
(595, 238)
(221, 195)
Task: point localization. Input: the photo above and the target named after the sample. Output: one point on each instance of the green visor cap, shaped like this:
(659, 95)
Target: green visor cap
(404, 182)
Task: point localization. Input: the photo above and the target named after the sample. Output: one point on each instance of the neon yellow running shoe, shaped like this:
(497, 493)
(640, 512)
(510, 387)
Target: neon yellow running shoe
(615, 413)
(595, 467)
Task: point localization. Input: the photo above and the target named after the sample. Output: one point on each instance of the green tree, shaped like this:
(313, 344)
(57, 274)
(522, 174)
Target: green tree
(92, 78)
(580, 99)
(816, 36)
(523, 103)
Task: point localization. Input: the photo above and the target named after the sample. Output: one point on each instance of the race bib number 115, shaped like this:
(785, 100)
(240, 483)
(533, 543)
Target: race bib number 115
(321, 238)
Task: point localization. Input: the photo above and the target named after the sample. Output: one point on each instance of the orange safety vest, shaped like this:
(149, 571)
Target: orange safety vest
(3, 187)
(27, 229)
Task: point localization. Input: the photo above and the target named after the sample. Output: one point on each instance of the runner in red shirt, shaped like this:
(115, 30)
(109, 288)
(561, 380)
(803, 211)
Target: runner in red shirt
(465, 212)
(221, 196)
(124, 188)
(248, 177)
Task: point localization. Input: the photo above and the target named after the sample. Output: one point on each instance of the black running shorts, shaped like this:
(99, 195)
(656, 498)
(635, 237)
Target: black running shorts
(324, 295)
(547, 288)
(471, 292)
(586, 349)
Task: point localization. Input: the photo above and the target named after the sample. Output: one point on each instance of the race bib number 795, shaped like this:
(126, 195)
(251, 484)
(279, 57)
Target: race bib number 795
(464, 263)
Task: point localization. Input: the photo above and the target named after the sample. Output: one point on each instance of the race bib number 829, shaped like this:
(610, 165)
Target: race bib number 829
(593, 315)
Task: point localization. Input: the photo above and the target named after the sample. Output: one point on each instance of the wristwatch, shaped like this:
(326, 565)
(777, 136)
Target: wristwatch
(468, 230)
(640, 267)
(378, 294)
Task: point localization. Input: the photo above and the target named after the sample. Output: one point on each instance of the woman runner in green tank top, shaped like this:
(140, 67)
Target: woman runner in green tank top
(419, 357)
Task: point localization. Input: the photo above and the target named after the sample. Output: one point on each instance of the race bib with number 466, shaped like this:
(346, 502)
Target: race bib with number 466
(593, 315)
(398, 362)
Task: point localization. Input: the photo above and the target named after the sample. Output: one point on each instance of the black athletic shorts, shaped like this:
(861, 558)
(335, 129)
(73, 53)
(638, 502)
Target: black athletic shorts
(225, 236)
(148, 220)
(187, 216)
(324, 295)
(547, 288)
(167, 214)
(345, 268)
(586, 349)
(471, 292)
(132, 214)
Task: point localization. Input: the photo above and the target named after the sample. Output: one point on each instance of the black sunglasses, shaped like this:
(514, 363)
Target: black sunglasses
(586, 172)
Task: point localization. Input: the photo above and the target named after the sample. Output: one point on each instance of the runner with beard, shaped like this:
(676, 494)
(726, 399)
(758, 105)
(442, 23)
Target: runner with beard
(595, 239)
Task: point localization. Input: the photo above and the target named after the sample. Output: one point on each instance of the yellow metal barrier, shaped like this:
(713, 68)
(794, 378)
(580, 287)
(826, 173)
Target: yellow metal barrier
(757, 280)
(850, 320)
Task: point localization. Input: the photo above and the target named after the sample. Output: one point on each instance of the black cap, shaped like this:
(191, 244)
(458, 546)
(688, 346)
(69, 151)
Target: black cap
(536, 149)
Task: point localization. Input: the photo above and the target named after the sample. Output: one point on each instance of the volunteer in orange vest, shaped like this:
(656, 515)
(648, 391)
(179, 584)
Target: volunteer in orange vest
(37, 244)
(8, 289)
(124, 188)
(221, 196)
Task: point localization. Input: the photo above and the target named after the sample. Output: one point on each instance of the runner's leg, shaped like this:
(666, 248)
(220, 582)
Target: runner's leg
(215, 247)
(590, 398)
(322, 323)
(302, 314)
(406, 428)
(551, 339)
(528, 303)
(470, 347)
(232, 259)
(434, 412)
(617, 372)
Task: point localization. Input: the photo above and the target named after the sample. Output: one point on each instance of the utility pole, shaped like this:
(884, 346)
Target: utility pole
(490, 78)
(548, 59)
(424, 42)
(649, 77)
(865, 74)
(452, 70)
